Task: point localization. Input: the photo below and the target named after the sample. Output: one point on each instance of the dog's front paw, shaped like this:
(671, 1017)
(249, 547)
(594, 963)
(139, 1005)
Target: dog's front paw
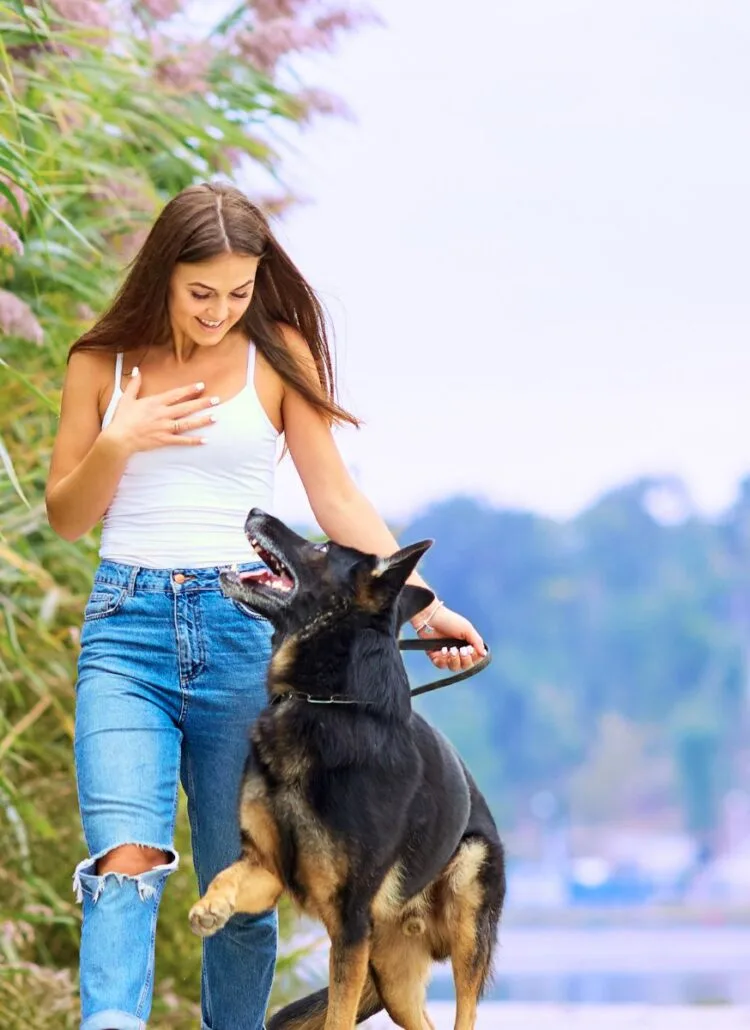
(207, 917)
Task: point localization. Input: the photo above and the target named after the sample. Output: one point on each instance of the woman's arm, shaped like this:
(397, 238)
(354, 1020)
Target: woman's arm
(342, 510)
(86, 467)
(88, 462)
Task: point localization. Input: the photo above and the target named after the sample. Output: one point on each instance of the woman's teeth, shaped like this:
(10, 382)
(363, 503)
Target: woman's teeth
(210, 325)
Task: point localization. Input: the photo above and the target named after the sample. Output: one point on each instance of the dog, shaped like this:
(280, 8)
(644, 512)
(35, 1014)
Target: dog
(351, 802)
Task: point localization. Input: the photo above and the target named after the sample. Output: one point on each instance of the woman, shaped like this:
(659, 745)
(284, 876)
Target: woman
(172, 408)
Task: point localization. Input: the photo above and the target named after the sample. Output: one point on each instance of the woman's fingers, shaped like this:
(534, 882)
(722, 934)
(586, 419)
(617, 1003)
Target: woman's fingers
(456, 659)
(446, 658)
(179, 394)
(177, 429)
(182, 409)
(134, 386)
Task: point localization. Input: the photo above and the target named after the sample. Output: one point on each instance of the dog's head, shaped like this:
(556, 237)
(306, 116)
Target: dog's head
(309, 583)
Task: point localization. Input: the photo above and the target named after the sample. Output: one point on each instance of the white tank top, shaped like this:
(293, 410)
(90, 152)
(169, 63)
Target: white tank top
(185, 507)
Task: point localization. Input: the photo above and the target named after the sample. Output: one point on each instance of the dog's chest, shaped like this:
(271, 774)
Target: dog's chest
(279, 748)
(312, 866)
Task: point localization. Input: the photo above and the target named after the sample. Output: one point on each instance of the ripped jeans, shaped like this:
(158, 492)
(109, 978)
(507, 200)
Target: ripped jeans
(171, 676)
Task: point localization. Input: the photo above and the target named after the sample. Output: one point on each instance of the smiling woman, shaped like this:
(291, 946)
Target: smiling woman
(210, 252)
(216, 307)
(172, 410)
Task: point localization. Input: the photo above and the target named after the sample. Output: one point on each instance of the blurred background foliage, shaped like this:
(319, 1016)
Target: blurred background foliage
(106, 110)
(620, 638)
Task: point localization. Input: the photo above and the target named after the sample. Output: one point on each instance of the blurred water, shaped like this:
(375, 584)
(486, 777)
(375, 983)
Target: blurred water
(517, 1016)
(662, 966)
(612, 988)
(665, 966)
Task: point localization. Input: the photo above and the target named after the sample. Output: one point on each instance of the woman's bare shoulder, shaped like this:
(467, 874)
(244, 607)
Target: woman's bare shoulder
(93, 362)
(91, 373)
(294, 340)
(299, 348)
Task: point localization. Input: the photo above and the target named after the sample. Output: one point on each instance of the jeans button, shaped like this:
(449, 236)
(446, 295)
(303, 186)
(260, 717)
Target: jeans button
(179, 577)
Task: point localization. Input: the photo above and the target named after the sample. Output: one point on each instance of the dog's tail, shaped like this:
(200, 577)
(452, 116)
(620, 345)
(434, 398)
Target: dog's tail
(310, 1013)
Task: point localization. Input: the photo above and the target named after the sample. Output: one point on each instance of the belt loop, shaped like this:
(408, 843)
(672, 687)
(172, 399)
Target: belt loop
(132, 580)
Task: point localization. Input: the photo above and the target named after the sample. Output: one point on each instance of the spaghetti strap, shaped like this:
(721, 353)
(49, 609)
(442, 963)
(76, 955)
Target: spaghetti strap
(116, 393)
(250, 377)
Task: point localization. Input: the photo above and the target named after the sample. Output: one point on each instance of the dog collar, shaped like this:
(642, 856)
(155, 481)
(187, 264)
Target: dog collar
(311, 699)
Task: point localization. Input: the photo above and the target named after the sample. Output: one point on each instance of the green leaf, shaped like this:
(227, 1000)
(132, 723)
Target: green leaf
(11, 472)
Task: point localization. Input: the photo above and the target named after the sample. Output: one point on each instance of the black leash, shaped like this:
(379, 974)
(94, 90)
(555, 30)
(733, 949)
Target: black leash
(419, 644)
(435, 644)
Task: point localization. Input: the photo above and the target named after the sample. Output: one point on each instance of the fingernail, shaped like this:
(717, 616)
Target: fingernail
(213, 418)
(465, 650)
(443, 650)
(135, 371)
(216, 400)
(200, 386)
(454, 650)
(204, 440)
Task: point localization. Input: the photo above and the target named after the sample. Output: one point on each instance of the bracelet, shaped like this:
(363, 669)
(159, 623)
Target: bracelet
(430, 617)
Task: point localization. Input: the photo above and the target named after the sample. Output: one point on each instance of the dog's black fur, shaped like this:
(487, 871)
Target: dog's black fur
(357, 808)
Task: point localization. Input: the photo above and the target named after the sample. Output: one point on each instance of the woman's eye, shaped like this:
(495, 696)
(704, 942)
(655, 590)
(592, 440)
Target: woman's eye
(205, 296)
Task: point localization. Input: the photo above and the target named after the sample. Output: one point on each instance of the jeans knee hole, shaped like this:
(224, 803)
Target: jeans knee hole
(88, 880)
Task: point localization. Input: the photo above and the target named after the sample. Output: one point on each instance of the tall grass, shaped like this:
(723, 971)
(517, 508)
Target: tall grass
(98, 127)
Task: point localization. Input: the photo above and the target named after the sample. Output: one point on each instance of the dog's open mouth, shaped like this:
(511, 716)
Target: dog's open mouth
(277, 576)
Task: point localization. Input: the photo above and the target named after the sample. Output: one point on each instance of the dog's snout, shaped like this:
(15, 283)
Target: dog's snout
(252, 517)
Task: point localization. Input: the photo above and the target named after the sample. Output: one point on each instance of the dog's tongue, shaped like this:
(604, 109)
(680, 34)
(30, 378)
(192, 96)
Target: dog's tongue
(264, 577)
(256, 576)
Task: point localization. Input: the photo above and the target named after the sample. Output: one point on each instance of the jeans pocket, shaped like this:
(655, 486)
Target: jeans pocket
(247, 611)
(103, 600)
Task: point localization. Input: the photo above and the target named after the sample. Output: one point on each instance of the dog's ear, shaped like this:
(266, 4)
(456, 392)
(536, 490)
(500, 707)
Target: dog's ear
(412, 600)
(394, 570)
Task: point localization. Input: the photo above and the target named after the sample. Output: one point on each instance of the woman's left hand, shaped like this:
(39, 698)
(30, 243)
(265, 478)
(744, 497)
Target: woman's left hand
(446, 623)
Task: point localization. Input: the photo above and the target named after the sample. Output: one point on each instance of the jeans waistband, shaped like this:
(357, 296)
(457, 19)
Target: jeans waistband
(138, 577)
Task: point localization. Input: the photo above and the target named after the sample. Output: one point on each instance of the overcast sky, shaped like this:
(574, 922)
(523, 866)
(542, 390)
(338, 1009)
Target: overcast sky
(534, 246)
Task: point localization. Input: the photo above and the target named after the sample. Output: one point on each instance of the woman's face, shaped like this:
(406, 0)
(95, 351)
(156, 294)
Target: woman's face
(208, 298)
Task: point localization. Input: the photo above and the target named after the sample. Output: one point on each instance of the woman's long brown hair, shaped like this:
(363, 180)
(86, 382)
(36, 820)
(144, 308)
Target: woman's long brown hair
(198, 224)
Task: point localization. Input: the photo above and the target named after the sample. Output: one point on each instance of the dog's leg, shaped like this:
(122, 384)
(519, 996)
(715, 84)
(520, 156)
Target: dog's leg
(348, 966)
(241, 887)
(471, 916)
(467, 985)
(471, 957)
(401, 966)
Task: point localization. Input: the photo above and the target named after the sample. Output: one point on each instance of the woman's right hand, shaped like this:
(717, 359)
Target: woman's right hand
(143, 424)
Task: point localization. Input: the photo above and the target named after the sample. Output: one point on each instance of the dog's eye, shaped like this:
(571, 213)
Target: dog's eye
(323, 548)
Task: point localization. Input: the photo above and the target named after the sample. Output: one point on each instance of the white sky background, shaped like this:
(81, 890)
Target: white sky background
(534, 246)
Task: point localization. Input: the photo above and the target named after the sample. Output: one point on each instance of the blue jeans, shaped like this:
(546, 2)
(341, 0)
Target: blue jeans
(171, 676)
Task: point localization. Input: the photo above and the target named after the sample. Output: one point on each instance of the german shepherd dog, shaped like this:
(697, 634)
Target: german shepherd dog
(351, 802)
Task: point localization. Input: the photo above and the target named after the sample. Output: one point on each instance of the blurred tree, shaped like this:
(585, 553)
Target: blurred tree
(607, 630)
